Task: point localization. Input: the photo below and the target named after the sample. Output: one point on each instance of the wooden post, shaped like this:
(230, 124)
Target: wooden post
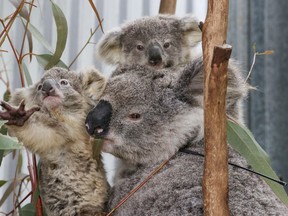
(216, 56)
(167, 7)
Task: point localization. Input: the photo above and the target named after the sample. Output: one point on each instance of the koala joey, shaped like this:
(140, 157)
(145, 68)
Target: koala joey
(165, 41)
(159, 42)
(71, 180)
(144, 117)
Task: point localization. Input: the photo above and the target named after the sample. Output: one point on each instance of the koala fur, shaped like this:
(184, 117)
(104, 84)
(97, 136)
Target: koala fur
(160, 41)
(152, 34)
(71, 181)
(144, 117)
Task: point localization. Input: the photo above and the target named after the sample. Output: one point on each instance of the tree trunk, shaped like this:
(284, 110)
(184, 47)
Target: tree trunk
(216, 56)
(167, 7)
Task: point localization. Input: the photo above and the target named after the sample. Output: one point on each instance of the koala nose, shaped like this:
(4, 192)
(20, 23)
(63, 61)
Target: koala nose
(98, 119)
(154, 53)
(48, 87)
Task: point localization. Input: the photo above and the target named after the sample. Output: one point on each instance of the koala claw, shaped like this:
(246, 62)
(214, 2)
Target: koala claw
(16, 116)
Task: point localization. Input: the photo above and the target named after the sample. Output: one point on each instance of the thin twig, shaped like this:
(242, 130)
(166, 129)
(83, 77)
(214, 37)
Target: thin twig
(87, 42)
(16, 56)
(29, 194)
(267, 52)
(25, 31)
(139, 186)
(8, 26)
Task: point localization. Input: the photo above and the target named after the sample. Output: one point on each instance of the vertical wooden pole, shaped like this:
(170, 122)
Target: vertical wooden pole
(216, 56)
(167, 7)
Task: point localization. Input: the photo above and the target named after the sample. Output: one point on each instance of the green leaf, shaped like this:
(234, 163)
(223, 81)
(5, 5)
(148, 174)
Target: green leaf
(242, 140)
(8, 191)
(27, 74)
(62, 31)
(36, 195)
(2, 122)
(24, 12)
(28, 210)
(1, 156)
(2, 182)
(9, 143)
(45, 58)
(38, 36)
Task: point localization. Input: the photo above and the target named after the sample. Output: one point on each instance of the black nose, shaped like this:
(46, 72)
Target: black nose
(155, 54)
(48, 87)
(98, 119)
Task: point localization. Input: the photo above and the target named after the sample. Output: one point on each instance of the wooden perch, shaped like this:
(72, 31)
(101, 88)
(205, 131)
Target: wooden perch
(167, 7)
(216, 56)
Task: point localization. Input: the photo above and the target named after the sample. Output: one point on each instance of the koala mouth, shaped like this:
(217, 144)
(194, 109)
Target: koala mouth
(52, 102)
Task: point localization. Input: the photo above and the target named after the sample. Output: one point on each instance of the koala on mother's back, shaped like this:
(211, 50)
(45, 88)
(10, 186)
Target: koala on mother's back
(144, 118)
(159, 41)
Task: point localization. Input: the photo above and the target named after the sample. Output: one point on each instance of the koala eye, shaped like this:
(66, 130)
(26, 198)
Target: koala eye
(39, 87)
(166, 45)
(140, 47)
(134, 116)
(64, 82)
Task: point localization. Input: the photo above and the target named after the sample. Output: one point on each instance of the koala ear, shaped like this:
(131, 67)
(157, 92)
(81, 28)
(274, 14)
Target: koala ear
(93, 83)
(109, 47)
(189, 25)
(190, 84)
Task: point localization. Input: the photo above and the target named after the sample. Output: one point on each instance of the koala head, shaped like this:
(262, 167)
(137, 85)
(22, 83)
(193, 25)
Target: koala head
(143, 117)
(59, 87)
(161, 41)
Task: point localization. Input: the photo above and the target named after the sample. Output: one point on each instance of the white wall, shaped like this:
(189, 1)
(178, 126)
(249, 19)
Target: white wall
(81, 19)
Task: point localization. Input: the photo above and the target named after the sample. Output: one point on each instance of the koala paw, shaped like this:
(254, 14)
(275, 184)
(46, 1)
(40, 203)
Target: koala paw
(16, 116)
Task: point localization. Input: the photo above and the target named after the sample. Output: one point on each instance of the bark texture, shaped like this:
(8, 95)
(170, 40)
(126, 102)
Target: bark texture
(216, 56)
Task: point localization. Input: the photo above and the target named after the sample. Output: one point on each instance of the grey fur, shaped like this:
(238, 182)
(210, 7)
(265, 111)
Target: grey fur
(72, 182)
(152, 118)
(119, 46)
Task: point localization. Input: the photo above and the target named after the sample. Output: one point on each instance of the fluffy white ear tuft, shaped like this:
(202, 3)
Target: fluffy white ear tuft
(109, 47)
(190, 28)
(93, 82)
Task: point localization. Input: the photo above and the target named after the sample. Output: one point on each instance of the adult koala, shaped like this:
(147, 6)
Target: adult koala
(145, 118)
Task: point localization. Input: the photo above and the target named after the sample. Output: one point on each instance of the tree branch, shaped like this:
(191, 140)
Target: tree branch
(167, 7)
(216, 56)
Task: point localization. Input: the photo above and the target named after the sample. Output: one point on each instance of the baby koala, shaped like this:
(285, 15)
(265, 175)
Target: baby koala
(159, 41)
(71, 181)
(167, 41)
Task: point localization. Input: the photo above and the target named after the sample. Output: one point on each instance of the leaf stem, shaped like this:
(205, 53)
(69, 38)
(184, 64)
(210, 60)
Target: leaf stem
(87, 42)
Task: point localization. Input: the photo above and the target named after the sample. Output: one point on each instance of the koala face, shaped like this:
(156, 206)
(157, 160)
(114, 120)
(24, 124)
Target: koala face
(159, 42)
(142, 117)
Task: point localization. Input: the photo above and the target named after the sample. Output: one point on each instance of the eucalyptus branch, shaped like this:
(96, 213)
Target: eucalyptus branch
(267, 52)
(9, 25)
(25, 30)
(87, 42)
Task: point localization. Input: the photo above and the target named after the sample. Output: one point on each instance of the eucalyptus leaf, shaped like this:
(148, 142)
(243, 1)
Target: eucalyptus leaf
(242, 140)
(24, 12)
(2, 122)
(30, 41)
(9, 143)
(43, 60)
(8, 191)
(1, 156)
(38, 36)
(62, 32)
(27, 74)
(28, 210)
(2, 182)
